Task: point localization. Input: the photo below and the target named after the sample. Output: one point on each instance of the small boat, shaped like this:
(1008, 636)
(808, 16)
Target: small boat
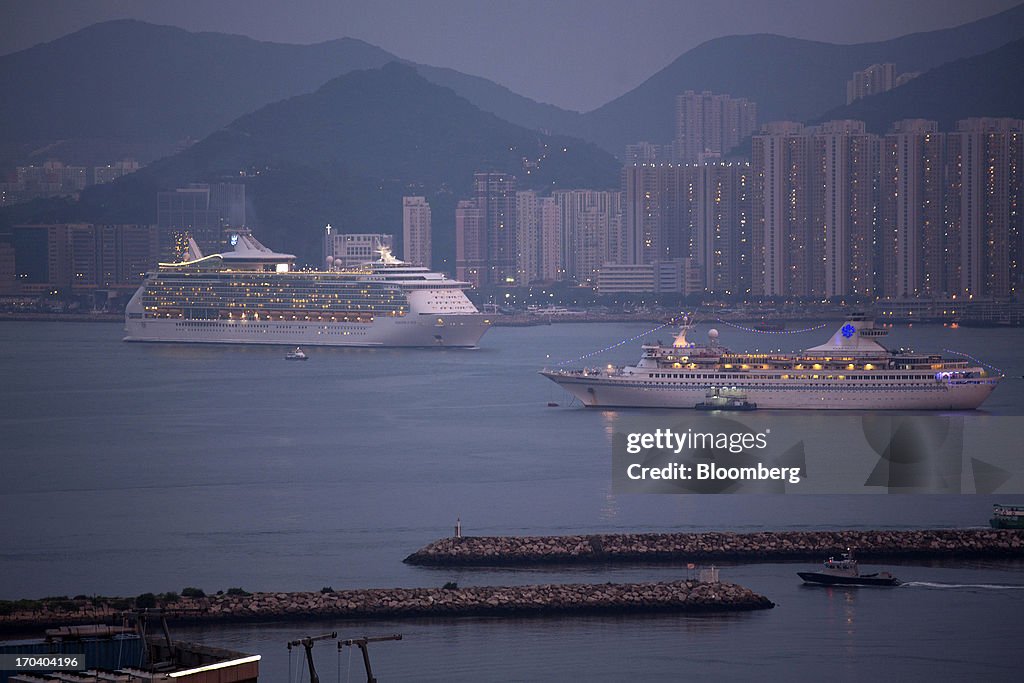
(1007, 516)
(724, 398)
(297, 354)
(845, 572)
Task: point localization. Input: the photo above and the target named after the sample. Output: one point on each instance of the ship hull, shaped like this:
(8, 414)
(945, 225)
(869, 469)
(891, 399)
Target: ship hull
(599, 391)
(820, 579)
(457, 331)
(1003, 523)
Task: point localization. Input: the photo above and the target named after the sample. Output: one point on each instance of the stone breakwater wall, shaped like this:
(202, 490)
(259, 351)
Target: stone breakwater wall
(389, 603)
(719, 546)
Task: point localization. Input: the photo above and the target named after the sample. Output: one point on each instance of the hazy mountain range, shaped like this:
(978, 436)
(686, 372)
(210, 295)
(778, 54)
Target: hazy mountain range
(127, 79)
(346, 154)
(336, 138)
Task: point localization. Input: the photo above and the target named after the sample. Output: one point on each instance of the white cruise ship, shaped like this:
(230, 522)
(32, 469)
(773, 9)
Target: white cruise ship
(851, 371)
(252, 295)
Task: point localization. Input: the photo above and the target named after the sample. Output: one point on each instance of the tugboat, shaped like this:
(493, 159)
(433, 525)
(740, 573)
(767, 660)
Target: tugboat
(297, 354)
(1007, 516)
(725, 398)
(845, 572)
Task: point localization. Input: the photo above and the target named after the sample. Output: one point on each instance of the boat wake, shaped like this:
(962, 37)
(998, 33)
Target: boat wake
(990, 586)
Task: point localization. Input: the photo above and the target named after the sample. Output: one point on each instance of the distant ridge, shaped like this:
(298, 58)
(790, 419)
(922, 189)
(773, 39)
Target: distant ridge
(134, 80)
(127, 82)
(346, 154)
(991, 84)
(789, 78)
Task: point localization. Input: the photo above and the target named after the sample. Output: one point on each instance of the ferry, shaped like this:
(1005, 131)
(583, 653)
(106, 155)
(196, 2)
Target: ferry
(850, 371)
(252, 295)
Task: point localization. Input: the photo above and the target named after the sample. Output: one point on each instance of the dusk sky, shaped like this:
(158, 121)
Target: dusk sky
(577, 54)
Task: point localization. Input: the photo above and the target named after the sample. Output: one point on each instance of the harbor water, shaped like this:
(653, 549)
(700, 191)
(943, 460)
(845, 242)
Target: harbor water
(131, 468)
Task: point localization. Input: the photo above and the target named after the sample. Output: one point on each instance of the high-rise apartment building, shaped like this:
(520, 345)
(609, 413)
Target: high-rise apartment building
(470, 243)
(416, 230)
(984, 223)
(700, 212)
(590, 221)
(814, 203)
(487, 231)
(201, 210)
(8, 269)
(647, 153)
(528, 237)
(709, 125)
(913, 250)
(496, 200)
(873, 80)
(657, 225)
(550, 266)
(723, 240)
(111, 172)
(916, 213)
(845, 218)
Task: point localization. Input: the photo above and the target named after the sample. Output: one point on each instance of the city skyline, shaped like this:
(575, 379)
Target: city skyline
(799, 208)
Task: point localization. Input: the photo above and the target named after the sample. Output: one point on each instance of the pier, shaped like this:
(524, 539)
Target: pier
(719, 547)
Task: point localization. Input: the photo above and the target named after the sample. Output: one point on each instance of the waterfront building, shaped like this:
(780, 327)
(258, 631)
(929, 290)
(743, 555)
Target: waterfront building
(344, 250)
(78, 258)
(673, 276)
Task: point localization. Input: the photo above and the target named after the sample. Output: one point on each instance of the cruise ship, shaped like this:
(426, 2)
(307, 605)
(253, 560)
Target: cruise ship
(252, 295)
(851, 371)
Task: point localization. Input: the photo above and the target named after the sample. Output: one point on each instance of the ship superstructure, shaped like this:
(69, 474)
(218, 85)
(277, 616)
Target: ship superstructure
(253, 295)
(851, 371)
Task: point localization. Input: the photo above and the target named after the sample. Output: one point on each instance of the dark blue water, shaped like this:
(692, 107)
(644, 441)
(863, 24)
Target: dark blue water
(129, 468)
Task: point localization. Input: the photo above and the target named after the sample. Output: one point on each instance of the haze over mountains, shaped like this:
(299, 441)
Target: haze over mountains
(142, 82)
(344, 148)
(347, 153)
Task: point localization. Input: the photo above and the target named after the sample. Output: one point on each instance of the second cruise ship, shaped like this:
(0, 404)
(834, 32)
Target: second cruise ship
(252, 295)
(851, 371)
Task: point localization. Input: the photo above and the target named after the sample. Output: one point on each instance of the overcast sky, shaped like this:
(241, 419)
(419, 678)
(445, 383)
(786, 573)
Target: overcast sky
(577, 54)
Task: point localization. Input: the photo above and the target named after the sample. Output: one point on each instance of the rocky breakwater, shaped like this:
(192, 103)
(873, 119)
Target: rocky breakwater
(681, 596)
(390, 603)
(719, 546)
